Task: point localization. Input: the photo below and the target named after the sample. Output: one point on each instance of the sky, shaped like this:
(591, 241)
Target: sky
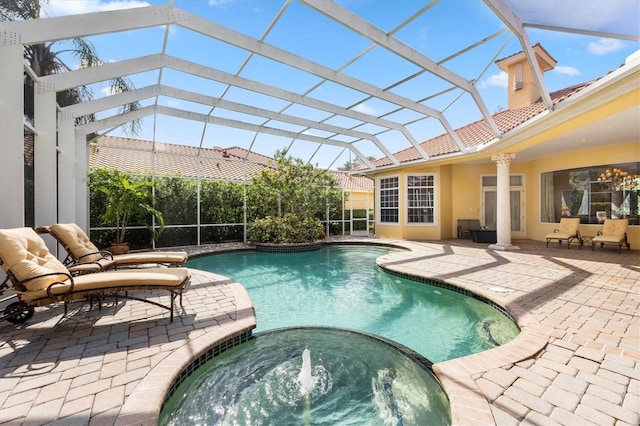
(446, 28)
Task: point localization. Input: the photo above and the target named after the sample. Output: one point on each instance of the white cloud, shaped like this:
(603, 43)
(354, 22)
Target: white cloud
(567, 70)
(73, 7)
(106, 91)
(605, 45)
(365, 109)
(499, 80)
(219, 2)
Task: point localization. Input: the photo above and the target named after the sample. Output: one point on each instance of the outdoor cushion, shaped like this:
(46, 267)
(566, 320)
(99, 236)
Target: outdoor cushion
(136, 258)
(26, 255)
(76, 241)
(111, 281)
(613, 230)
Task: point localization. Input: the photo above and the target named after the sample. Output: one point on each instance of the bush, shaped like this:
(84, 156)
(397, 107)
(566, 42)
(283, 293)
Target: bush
(287, 229)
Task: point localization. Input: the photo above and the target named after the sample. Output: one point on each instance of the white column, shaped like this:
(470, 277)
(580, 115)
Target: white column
(45, 159)
(503, 211)
(66, 169)
(11, 131)
(45, 155)
(82, 168)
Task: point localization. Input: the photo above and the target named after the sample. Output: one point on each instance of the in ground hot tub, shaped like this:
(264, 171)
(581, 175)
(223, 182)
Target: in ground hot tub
(311, 376)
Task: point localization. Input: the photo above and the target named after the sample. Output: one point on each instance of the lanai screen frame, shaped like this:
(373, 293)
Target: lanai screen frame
(71, 145)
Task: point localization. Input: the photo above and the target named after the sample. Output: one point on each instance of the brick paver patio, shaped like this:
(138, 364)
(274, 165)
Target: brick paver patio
(576, 362)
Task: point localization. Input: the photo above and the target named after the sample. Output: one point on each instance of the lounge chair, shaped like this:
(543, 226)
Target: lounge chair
(614, 231)
(568, 231)
(38, 278)
(82, 253)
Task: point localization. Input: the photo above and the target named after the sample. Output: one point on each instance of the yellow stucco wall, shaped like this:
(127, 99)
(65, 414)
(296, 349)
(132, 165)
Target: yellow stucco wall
(358, 200)
(442, 229)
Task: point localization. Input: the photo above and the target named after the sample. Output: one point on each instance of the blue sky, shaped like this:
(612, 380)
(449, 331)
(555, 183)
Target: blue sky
(446, 28)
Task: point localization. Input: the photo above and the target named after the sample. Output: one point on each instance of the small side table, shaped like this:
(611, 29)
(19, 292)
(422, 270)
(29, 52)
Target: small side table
(586, 239)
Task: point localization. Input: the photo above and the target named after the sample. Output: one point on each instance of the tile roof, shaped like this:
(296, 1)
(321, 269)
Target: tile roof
(534, 47)
(478, 133)
(135, 155)
(345, 180)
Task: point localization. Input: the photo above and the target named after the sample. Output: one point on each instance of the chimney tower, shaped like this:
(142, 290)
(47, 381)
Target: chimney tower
(522, 89)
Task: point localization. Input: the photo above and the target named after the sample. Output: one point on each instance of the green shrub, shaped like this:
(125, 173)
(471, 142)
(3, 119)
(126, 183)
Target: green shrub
(287, 229)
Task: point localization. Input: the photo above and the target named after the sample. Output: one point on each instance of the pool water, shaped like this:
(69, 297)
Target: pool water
(341, 286)
(266, 381)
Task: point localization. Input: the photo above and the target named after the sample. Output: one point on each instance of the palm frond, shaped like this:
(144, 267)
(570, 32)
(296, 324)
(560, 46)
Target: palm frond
(21, 10)
(44, 60)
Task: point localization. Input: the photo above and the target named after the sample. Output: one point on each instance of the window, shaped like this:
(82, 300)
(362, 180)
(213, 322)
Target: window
(517, 77)
(420, 199)
(591, 193)
(389, 200)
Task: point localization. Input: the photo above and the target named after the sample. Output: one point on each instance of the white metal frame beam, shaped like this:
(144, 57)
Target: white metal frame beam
(115, 101)
(120, 119)
(152, 62)
(364, 28)
(66, 27)
(504, 12)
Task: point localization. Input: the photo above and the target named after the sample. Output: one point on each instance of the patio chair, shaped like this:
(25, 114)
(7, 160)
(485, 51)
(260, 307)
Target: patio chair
(83, 256)
(614, 231)
(568, 231)
(466, 225)
(38, 278)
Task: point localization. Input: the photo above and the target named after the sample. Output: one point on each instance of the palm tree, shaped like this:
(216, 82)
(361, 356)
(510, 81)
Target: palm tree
(44, 60)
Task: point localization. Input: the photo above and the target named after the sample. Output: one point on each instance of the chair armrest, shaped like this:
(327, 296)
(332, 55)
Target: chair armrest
(105, 254)
(71, 285)
(556, 230)
(598, 233)
(42, 230)
(53, 284)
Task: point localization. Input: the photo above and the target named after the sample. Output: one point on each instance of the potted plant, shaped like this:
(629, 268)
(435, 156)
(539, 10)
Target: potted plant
(125, 198)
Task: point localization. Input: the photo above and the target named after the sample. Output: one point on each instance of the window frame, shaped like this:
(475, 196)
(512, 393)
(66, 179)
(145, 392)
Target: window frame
(381, 199)
(580, 190)
(434, 200)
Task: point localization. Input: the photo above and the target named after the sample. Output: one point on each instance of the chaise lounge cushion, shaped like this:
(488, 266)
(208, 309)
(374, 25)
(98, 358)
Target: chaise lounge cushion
(77, 243)
(170, 257)
(26, 255)
(112, 281)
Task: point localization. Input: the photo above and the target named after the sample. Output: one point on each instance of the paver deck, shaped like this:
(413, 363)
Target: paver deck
(576, 361)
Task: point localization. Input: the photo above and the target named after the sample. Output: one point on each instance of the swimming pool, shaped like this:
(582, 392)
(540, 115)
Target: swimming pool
(341, 286)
